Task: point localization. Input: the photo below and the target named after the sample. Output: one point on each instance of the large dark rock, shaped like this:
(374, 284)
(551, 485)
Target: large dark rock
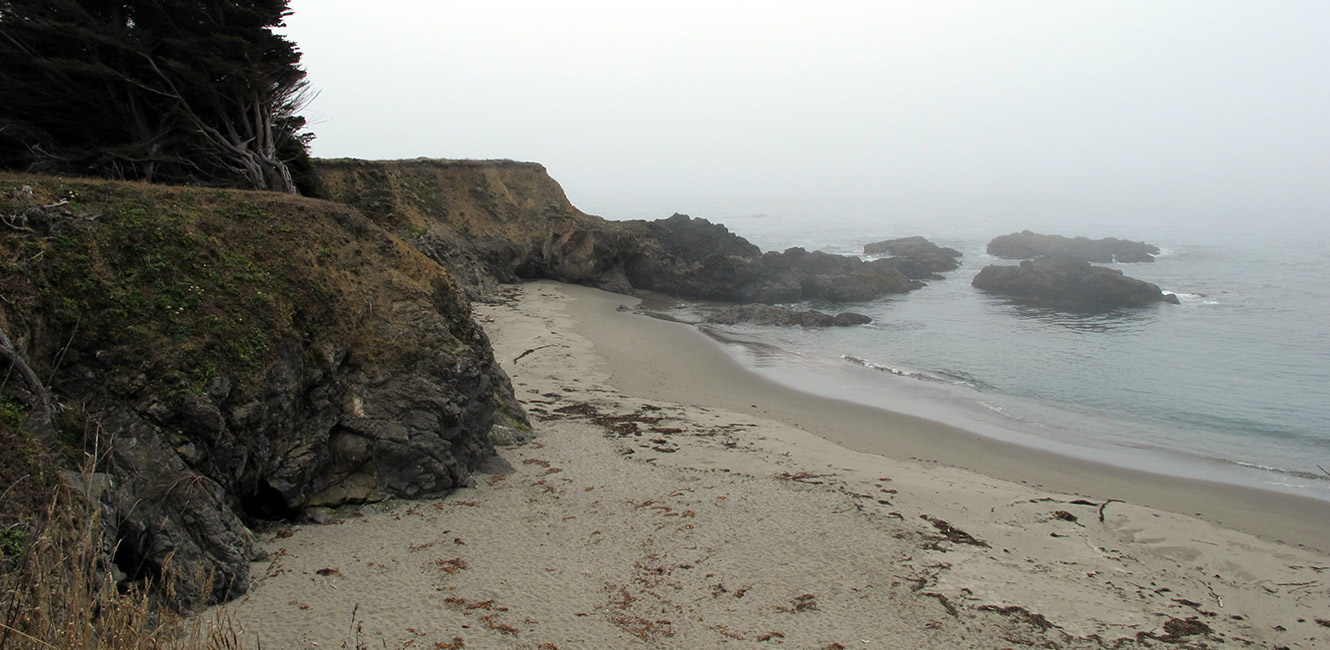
(1054, 282)
(777, 315)
(916, 257)
(694, 240)
(1026, 245)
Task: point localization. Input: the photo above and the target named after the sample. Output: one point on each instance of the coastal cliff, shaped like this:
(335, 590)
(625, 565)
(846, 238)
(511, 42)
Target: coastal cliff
(499, 221)
(224, 357)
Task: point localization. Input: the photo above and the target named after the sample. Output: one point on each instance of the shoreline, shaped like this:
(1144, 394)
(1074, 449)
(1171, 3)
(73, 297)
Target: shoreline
(655, 506)
(1268, 514)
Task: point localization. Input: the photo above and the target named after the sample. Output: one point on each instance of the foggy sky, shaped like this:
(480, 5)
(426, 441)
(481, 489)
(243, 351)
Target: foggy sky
(724, 108)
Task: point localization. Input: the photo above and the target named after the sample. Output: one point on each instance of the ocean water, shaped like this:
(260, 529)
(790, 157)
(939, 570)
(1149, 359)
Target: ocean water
(1231, 385)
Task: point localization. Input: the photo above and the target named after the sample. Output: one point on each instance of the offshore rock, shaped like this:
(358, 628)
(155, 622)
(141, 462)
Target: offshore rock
(917, 257)
(1054, 282)
(777, 315)
(1026, 245)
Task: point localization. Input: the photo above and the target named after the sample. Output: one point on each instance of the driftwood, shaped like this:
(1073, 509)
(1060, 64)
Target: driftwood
(16, 361)
(519, 357)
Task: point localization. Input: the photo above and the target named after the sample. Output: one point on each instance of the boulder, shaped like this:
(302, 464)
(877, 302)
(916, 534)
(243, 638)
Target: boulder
(1055, 282)
(1026, 245)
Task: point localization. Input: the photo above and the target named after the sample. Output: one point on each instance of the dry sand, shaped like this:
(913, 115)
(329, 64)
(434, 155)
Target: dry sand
(672, 499)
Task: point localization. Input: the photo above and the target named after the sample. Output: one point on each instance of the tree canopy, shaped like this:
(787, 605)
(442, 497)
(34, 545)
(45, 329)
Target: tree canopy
(161, 90)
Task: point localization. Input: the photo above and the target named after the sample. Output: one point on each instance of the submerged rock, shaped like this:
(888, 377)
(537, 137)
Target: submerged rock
(1026, 245)
(782, 316)
(1054, 282)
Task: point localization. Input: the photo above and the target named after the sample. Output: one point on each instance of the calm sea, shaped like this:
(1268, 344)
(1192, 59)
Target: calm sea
(1231, 385)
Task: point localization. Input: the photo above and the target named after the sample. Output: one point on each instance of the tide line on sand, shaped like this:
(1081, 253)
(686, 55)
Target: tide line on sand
(670, 498)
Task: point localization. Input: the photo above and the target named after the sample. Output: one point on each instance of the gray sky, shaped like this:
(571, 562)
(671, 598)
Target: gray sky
(725, 108)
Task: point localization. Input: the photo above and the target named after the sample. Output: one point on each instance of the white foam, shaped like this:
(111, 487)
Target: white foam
(881, 368)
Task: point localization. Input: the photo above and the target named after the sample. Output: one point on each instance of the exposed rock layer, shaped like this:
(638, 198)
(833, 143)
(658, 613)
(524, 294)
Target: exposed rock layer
(1055, 282)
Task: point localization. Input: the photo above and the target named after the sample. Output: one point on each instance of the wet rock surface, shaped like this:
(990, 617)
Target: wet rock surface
(1054, 282)
(1026, 245)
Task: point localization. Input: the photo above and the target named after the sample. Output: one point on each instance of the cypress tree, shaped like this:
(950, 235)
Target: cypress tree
(158, 90)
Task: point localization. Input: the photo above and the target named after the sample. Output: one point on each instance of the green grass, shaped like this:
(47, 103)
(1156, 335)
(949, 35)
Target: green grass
(184, 288)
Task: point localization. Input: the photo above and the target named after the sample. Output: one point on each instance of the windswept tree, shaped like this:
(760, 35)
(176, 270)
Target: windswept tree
(160, 90)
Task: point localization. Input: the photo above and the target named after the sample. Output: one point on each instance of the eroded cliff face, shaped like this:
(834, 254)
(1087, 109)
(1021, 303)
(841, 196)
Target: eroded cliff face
(503, 220)
(487, 221)
(233, 356)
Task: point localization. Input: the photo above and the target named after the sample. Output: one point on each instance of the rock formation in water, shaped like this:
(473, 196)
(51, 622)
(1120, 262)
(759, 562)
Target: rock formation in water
(1027, 245)
(235, 356)
(781, 316)
(916, 257)
(1054, 282)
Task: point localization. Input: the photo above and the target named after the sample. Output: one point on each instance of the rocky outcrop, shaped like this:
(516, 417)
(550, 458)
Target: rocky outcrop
(916, 257)
(1054, 282)
(1026, 245)
(789, 276)
(239, 357)
(488, 221)
(777, 315)
(498, 221)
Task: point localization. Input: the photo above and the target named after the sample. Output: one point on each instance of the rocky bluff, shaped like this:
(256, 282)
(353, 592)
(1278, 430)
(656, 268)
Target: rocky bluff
(230, 356)
(499, 221)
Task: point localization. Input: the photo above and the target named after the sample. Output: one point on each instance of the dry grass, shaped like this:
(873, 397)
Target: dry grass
(58, 594)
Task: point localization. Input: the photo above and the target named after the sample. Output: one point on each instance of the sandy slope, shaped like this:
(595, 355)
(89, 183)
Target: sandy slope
(652, 509)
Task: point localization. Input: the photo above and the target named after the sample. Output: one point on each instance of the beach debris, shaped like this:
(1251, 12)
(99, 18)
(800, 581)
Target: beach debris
(1177, 628)
(769, 636)
(520, 356)
(1020, 613)
(1063, 515)
(953, 534)
(804, 477)
(800, 603)
(504, 628)
(452, 566)
(946, 603)
(1322, 622)
(725, 631)
(456, 644)
(329, 571)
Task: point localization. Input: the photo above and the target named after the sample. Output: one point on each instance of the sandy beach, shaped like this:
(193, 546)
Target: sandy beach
(671, 498)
